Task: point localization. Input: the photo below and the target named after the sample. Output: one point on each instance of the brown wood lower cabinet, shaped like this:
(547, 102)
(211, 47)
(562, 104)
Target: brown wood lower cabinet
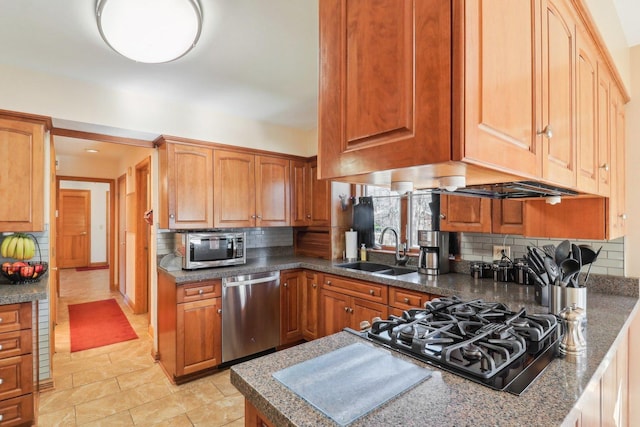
(403, 299)
(310, 302)
(347, 302)
(16, 365)
(291, 283)
(253, 417)
(189, 327)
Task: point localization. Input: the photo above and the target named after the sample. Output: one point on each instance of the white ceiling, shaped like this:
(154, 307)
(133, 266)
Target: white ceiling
(255, 58)
(629, 14)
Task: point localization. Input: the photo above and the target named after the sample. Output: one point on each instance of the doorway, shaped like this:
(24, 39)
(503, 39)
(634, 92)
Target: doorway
(74, 228)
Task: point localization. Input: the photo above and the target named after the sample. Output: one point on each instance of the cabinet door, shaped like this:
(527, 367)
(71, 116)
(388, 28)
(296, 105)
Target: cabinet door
(617, 201)
(234, 189)
(558, 105)
(334, 312)
(186, 197)
(507, 216)
(290, 302)
(318, 198)
(610, 404)
(21, 175)
(604, 132)
(17, 376)
(460, 213)
(501, 85)
(310, 300)
(385, 85)
(300, 176)
(198, 336)
(634, 370)
(586, 115)
(272, 192)
(363, 310)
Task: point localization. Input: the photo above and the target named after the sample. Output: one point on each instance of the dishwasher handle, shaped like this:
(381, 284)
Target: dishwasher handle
(250, 281)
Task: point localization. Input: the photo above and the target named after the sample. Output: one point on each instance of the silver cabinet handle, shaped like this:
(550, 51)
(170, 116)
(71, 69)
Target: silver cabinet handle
(1, 380)
(200, 292)
(1, 347)
(605, 167)
(259, 216)
(1, 319)
(172, 216)
(309, 216)
(346, 309)
(314, 286)
(623, 216)
(407, 301)
(443, 216)
(328, 283)
(285, 284)
(253, 217)
(219, 311)
(372, 292)
(351, 310)
(547, 132)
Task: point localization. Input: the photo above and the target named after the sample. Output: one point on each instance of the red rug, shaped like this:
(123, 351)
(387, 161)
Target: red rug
(97, 267)
(98, 323)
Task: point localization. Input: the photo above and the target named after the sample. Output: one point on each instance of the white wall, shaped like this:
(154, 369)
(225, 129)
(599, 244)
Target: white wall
(606, 18)
(632, 111)
(62, 98)
(99, 216)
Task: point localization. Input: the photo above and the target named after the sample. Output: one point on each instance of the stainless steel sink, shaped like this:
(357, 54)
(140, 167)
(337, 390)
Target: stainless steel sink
(395, 271)
(364, 266)
(378, 269)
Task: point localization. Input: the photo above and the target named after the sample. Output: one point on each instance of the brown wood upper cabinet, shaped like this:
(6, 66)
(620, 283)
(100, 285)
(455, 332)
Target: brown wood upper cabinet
(310, 204)
(186, 186)
(478, 215)
(496, 84)
(22, 176)
(250, 190)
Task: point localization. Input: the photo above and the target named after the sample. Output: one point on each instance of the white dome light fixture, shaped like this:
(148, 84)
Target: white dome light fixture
(452, 183)
(401, 187)
(150, 31)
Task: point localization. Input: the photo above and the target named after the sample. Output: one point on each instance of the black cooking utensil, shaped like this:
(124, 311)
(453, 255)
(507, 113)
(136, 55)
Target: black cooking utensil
(569, 268)
(550, 250)
(592, 260)
(551, 268)
(562, 251)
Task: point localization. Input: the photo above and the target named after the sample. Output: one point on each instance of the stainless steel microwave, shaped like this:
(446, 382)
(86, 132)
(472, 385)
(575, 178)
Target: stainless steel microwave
(205, 249)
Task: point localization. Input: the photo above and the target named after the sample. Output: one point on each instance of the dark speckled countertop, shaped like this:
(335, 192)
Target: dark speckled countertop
(445, 399)
(13, 294)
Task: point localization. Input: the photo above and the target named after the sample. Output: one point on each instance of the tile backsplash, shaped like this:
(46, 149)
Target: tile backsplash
(257, 238)
(479, 247)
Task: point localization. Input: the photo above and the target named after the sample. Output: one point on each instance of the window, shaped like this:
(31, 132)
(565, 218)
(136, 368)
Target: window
(390, 210)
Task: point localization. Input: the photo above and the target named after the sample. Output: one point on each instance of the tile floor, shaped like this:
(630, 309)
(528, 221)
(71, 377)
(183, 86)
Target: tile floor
(119, 384)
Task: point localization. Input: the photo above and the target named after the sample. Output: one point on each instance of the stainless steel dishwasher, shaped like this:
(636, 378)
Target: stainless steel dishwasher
(250, 314)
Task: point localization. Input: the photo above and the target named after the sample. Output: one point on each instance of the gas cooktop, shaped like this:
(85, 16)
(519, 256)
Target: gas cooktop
(485, 342)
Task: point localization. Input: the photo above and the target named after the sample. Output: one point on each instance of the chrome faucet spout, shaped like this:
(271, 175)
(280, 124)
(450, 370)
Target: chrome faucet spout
(400, 259)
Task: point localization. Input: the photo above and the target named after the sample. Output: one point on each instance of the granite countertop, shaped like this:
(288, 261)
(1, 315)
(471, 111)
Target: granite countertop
(13, 294)
(445, 398)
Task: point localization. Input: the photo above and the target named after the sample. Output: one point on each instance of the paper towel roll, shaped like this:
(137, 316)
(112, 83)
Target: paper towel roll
(351, 243)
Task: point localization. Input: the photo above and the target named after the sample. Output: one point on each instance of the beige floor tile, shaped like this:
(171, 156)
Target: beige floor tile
(237, 423)
(62, 417)
(218, 413)
(50, 402)
(116, 420)
(126, 400)
(139, 377)
(121, 383)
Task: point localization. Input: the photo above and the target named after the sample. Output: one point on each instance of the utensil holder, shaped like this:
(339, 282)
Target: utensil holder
(562, 297)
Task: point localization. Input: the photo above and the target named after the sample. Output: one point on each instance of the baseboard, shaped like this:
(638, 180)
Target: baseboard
(128, 302)
(46, 385)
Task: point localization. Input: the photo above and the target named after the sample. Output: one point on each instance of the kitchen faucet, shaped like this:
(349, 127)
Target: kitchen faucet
(400, 260)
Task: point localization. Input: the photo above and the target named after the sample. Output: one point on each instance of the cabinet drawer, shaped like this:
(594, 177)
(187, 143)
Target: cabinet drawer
(365, 290)
(405, 299)
(14, 317)
(16, 376)
(199, 291)
(17, 411)
(15, 343)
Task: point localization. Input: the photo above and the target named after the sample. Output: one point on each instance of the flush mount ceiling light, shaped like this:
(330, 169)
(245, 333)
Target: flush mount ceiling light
(150, 31)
